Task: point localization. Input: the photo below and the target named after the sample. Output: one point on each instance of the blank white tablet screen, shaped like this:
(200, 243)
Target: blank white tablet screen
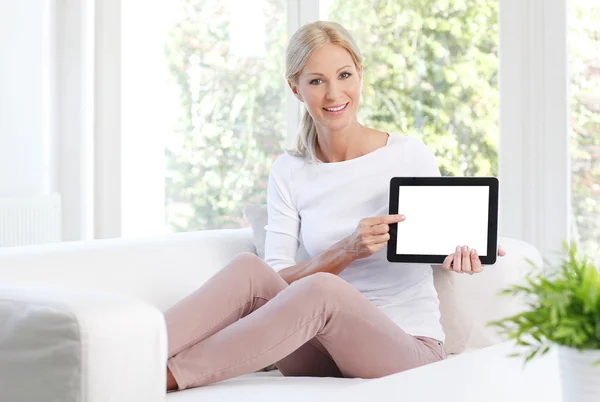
(439, 218)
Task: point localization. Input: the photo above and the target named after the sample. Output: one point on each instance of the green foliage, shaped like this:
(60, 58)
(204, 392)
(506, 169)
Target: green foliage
(431, 71)
(563, 308)
(584, 67)
(232, 116)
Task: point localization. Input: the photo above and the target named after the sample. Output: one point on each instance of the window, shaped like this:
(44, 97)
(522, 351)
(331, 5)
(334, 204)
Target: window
(584, 66)
(431, 70)
(210, 107)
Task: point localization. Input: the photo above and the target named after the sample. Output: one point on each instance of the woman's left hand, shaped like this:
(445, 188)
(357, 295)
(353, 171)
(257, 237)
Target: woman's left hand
(466, 260)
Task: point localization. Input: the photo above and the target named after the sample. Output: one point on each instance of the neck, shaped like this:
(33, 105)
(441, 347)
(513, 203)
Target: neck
(341, 145)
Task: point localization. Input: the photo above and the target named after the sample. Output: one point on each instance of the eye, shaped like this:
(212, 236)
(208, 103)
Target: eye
(345, 75)
(316, 81)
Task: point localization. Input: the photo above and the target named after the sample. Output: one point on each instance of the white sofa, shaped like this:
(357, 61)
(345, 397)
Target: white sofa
(82, 321)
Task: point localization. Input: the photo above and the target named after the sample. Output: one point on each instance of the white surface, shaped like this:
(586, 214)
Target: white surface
(30, 220)
(147, 122)
(72, 33)
(25, 155)
(459, 215)
(108, 144)
(579, 376)
(59, 345)
(268, 387)
(534, 153)
(484, 375)
(160, 269)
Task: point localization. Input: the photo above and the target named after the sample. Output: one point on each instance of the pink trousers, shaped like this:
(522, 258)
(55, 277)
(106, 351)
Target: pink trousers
(246, 318)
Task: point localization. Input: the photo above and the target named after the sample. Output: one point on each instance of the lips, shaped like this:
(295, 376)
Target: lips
(334, 109)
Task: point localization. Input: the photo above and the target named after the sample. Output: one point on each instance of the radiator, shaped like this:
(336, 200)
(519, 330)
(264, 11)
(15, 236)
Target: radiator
(32, 220)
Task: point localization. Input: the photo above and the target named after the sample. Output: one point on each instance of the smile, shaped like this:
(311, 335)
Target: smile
(336, 109)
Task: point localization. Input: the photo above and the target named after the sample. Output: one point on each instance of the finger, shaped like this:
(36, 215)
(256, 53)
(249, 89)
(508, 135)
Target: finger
(447, 264)
(457, 260)
(381, 229)
(501, 252)
(466, 260)
(476, 261)
(378, 239)
(385, 219)
(375, 247)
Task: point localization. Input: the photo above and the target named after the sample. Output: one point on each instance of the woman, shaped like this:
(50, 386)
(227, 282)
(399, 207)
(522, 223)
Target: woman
(346, 311)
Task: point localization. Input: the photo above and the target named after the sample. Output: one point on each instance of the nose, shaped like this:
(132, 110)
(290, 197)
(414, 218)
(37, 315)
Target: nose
(333, 92)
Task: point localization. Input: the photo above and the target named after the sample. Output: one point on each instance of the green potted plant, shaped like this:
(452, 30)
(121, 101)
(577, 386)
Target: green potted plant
(563, 311)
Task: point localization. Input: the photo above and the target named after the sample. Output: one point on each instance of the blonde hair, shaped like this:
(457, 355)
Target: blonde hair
(302, 44)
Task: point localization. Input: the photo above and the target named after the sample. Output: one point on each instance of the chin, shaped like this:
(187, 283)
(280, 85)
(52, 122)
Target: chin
(337, 125)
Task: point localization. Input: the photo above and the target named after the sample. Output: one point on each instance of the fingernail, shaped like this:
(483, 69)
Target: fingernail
(473, 252)
(458, 249)
(465, 249)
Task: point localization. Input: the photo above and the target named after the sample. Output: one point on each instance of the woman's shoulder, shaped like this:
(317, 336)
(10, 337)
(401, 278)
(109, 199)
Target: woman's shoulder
(407, 141)
(287, 163)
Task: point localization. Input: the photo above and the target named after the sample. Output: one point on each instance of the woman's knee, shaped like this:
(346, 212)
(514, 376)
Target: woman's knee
(247, 259)
(323, 284)
(250, 265)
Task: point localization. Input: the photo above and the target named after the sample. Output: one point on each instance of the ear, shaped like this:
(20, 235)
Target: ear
(294, 89)
(360, 71)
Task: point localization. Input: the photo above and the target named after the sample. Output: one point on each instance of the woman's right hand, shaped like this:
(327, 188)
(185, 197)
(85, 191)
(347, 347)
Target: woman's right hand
(370, 236)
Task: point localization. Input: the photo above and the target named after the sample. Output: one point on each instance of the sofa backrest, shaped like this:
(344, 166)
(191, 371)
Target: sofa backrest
(159, 269)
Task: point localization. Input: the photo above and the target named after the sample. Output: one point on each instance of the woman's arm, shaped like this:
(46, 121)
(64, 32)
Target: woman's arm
(333, 260)
(370, 236)
(283, 233)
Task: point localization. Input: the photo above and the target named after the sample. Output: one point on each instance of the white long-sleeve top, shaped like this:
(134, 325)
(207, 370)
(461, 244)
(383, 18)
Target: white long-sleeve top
(320, 204)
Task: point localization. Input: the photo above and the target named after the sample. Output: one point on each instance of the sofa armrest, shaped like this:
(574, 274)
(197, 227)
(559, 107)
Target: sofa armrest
(65, 345)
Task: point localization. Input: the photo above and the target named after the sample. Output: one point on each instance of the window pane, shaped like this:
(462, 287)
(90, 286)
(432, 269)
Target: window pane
(584, 65)
(203, 109)
(431, 70)
(226, 58)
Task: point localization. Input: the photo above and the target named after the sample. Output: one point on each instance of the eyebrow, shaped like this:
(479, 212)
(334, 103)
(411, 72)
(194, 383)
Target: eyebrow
(341, 68)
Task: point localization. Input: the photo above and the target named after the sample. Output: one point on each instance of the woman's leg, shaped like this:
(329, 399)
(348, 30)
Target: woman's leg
(360, 338)
(243, 286)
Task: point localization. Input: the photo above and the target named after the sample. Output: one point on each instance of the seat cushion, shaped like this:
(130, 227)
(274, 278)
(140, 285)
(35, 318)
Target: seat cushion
(266, 387)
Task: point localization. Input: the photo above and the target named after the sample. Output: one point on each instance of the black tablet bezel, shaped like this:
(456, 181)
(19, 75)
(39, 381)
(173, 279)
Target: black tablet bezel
(492, 246)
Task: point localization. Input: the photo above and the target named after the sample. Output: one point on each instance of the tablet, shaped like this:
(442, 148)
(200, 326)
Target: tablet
(442, 213)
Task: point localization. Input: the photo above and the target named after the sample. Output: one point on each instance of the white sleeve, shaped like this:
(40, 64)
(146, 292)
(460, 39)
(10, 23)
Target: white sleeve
(283, 225)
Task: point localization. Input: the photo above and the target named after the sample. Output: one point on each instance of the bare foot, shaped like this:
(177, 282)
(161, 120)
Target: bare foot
(171, 383)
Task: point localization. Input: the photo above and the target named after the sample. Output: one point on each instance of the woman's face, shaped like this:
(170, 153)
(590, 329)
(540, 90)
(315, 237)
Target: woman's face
(329, 85)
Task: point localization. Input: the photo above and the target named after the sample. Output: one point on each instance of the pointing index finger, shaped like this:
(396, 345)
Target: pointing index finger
(388, 219)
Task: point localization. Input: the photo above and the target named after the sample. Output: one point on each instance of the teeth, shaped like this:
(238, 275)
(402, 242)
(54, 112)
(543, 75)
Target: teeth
(335, 109)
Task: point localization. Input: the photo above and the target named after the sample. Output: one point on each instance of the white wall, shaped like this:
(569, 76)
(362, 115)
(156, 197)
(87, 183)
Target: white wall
(26, 148)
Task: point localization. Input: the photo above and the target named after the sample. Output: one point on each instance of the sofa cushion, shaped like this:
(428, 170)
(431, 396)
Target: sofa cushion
(467, 302)
(256, 215)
